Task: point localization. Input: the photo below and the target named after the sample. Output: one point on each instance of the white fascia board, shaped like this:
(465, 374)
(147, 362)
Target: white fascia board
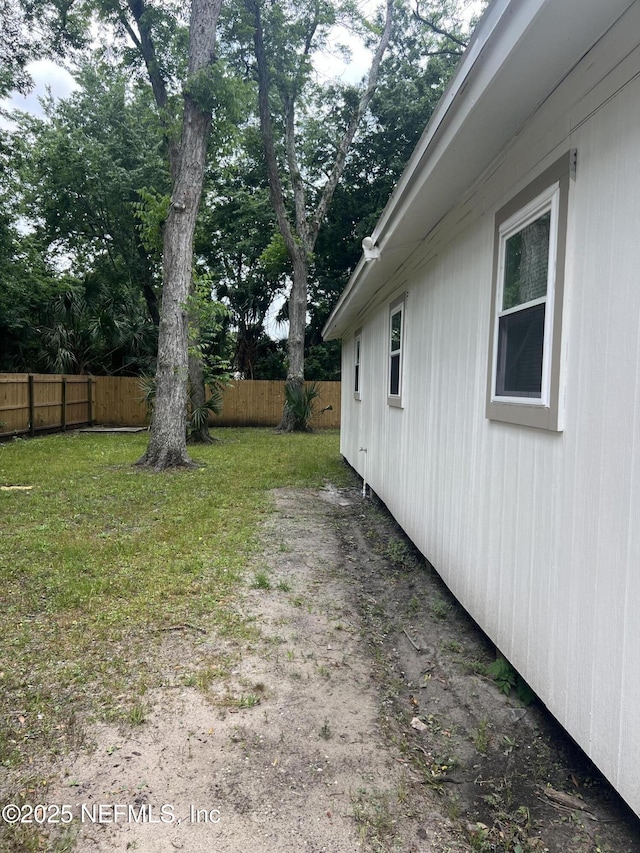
(520, 51)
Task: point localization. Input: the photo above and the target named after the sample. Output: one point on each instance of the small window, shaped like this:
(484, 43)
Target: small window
(524, 370)
(357, 354)
(396, 341)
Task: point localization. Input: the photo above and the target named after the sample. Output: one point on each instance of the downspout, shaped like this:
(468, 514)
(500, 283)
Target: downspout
(364, 476)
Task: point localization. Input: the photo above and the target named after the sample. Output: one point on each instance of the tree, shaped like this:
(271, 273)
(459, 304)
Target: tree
(439, 16)
(16, 49)
(238, 244)
(426, 43)
(157, 30)
(28, 286)
(283, 78)
(85, 167)
(82, 169)
(28, 281)
(187, 158)
(417, 65)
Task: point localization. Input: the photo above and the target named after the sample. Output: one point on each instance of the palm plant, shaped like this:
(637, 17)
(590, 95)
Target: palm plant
(197, 416)
(300, 401)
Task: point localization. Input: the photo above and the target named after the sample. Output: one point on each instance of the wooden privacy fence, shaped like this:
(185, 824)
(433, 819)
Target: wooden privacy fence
(38, 402)
(254, 402)
(246, 402)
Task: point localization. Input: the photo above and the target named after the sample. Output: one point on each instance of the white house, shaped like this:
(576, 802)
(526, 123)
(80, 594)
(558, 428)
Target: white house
(491, 357)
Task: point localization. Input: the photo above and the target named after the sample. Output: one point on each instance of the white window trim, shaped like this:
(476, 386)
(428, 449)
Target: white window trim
(547, 411)
(546, 202)
(396, 307)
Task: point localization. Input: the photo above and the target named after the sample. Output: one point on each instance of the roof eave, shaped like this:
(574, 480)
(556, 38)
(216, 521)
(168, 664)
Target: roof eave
(519, 53)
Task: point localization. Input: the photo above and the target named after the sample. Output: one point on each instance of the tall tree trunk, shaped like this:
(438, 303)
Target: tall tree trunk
(300, 236)
(297, 328)
(168, 436)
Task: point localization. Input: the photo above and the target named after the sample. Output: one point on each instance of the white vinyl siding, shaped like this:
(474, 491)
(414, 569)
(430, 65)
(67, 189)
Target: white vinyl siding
(535, 530)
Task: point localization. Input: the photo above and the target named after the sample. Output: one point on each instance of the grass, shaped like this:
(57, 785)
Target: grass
(375, 818)
(261, 581)
(481, 739)
(100, 558)
(440, 608)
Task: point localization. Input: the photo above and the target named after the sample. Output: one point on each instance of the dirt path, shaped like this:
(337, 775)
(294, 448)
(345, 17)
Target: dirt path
(358, 717)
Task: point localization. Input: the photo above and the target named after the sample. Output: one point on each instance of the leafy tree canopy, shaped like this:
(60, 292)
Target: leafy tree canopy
(92, 177)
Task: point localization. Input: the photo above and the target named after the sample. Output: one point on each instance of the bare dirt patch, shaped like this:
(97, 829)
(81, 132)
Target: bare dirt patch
(359, 716)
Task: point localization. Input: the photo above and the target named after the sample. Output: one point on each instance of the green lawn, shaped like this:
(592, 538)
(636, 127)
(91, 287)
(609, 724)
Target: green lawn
(99, 556)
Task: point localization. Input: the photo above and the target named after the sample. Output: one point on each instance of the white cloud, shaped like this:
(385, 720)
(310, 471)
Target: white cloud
(46, 75)
(331, 64)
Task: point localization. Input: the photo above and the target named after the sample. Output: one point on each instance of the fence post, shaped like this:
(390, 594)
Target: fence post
(32, 407)
(64, 404)
(90, 401)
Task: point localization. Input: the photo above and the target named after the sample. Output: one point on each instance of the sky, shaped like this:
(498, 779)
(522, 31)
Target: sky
(46, 76)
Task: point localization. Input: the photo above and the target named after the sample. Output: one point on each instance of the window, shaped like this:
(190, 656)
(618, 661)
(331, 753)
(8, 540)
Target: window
(524, 370)
(396, 340)
(357, 351)
(524, 285)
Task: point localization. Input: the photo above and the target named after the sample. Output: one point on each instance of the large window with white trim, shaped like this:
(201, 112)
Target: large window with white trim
(524, 370)
(525, 301)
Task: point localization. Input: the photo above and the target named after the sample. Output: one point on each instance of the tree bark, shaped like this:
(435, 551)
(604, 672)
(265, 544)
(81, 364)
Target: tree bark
(297, 328)
(168, 436)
